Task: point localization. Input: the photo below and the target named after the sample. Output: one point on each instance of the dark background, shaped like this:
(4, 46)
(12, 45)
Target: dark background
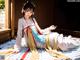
(69, 13)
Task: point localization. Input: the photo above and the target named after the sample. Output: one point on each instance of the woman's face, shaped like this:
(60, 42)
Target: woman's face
(28, 13)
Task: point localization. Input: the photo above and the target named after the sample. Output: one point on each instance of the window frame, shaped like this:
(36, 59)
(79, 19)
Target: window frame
(9, 17)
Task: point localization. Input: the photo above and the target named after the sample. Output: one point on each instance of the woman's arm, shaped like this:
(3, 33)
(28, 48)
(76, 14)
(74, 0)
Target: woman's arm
(19, 35)
(46, 30)
(38, 27)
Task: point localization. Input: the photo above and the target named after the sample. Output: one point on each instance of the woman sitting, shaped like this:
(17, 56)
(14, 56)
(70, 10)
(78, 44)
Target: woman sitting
(63, 43)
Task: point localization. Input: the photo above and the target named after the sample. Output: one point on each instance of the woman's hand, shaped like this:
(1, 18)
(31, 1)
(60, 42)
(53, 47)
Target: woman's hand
(52, 27)
(48, 30)
(16, 49)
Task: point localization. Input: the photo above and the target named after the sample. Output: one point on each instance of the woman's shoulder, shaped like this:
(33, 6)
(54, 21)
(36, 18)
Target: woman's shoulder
(34, 19)
(21, 18)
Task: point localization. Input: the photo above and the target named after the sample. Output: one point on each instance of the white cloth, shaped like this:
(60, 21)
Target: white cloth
(64, 43)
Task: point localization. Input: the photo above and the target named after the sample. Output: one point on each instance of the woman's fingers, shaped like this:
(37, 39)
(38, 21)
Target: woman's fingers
(52, 27)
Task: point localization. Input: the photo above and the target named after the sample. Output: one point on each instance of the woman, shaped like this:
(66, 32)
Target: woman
(64, 43)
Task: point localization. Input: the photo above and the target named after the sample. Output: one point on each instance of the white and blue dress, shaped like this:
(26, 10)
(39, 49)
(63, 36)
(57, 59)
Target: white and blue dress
(64, 43)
